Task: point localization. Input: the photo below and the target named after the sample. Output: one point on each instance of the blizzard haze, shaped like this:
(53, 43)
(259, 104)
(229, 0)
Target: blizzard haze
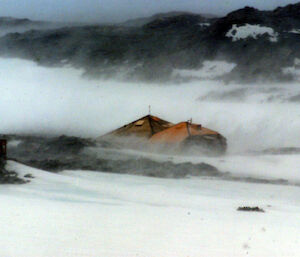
(121, 10)
(56, 101)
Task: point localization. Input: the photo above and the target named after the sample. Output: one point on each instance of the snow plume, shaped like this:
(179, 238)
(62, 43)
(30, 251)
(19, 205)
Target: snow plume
(251, 31)
(294, 70)
(209, 70)
(57, 101)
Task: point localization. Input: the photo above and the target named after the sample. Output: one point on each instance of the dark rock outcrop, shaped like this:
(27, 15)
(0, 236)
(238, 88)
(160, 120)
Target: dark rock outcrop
(9, 177)
(251, 209)
(65, 153)
(56, 154)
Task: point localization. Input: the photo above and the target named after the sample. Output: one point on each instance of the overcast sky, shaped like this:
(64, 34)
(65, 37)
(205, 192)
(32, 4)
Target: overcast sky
(119, 10)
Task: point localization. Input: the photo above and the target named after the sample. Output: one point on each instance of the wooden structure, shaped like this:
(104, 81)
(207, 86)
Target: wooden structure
(190, 134)
(144, 127)
(3, 149)
(157, 131)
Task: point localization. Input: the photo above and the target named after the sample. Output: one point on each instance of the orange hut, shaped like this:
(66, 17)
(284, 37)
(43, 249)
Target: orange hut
(153, 130)
(189, 134)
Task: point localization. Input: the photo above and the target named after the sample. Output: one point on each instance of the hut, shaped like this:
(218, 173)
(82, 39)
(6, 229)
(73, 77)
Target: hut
(188, 134)
(151, 131)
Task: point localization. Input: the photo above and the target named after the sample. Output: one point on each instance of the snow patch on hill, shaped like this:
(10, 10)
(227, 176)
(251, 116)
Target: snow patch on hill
(209, 70)
(295, 31)
(251, 31)
(204, 24)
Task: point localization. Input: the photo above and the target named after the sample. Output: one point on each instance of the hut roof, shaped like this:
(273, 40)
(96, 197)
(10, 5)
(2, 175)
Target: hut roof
(142, 127)
(180, 132)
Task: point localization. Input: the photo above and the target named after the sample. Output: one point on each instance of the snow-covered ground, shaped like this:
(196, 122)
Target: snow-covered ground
(81, 213)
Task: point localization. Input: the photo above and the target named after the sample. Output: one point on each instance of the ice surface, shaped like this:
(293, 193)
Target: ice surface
(81, 213)
(252, 31)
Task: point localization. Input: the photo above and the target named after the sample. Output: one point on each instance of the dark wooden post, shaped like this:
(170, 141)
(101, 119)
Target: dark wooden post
(3, 149)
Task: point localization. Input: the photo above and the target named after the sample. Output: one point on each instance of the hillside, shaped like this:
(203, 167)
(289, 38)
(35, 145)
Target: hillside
(247, 45)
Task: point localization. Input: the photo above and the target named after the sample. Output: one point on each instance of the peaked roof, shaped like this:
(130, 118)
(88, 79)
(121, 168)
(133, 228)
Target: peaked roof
(180, 132)
(142, 127)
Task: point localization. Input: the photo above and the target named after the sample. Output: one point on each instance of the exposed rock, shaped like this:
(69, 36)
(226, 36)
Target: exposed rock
(61, 153)
(82, 154)
(251, 209)
(28, 175)
(9, 177)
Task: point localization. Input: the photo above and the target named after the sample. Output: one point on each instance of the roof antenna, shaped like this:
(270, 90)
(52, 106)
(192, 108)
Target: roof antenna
(149, 109)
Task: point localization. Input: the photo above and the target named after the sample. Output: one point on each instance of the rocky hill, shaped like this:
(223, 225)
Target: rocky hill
(138, 22)
(247, 45)
(9, 21)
